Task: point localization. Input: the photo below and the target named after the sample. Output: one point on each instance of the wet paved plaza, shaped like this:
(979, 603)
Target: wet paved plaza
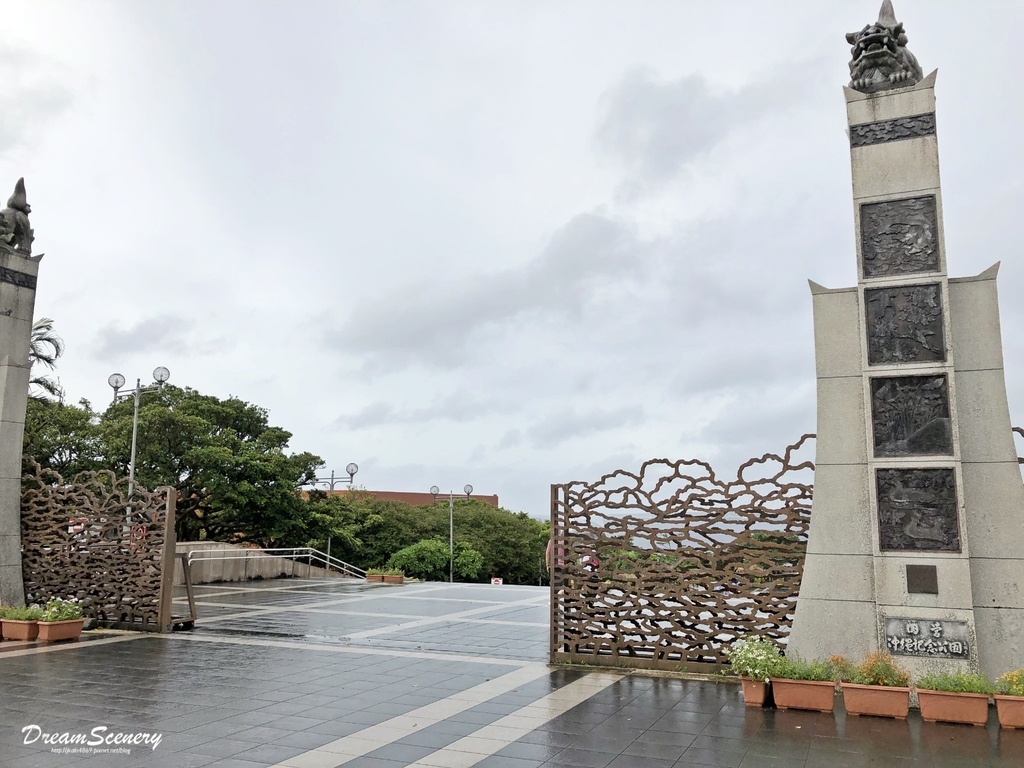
(317, 674)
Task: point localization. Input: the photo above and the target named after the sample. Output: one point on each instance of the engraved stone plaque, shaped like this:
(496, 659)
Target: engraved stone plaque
(904, 324)
(927, 637)
(910, 416)
(917, 510)
(899, 237)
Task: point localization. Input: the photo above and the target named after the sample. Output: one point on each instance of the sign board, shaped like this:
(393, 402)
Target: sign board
(497, 581)
(927, 637)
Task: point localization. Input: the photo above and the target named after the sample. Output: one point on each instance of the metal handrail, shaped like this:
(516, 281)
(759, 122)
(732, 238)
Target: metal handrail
(311, 555)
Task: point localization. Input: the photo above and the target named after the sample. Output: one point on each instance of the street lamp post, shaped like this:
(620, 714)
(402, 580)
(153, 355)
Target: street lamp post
(434, 490)
(116, 381)
(330, 482)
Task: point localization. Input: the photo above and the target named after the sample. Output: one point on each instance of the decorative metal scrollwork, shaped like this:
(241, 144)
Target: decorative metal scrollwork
(663, 568)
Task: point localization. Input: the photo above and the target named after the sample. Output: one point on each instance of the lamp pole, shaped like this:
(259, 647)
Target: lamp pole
(434, 490)
(116, 381)
(330, 482)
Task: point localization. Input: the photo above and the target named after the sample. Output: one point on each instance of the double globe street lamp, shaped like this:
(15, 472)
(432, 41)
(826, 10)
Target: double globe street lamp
(434, 490)
(116, 381)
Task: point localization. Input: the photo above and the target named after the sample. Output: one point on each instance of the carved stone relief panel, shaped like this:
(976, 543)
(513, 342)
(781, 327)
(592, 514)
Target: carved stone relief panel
(917, 510)
(899, 237)
(904, 324)
(910, 416)
(898, 129)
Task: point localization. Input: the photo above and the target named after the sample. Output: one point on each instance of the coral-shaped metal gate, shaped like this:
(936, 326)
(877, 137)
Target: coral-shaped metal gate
(664, 568)
(90, 540)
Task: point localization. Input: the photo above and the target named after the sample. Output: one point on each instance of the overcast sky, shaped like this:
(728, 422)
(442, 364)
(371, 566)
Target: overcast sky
(500, 243)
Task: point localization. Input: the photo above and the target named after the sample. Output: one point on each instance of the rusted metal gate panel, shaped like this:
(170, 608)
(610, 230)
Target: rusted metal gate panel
(88, 539)
(663, 568)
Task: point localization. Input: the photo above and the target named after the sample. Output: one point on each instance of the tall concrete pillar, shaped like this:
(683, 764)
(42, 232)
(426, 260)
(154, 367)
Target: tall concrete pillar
(918, 501)
(18, 272)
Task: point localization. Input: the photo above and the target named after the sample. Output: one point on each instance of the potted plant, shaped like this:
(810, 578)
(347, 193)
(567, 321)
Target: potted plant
(1010, 699)
(954, 697)
(799, 684)
(61, 620)
(393, 576)
(375, 574)
(876, 686)
(754, 660)
(20, 623)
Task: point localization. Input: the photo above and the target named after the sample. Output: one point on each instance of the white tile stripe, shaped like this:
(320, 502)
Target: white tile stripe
(351, 649)
(427, 620)
(54, 647)
(471, 749)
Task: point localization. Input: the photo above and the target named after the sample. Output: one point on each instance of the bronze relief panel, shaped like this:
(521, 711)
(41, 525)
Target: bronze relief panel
(899, 237)
(917, 510)
(904, 324)
(910, 416)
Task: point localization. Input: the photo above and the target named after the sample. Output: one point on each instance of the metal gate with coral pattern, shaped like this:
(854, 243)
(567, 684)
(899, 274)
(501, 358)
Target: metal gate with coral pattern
(663, 568)
(100, 541)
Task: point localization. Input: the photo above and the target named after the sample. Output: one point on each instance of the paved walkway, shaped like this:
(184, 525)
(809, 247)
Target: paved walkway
(318, 674)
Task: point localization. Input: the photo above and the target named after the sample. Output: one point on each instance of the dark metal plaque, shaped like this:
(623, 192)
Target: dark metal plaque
(14, 277)
(901, 128)
(904, 324)
(899, 237)
(910, 416)
(922, 580)
(928, 637)
(917, 510)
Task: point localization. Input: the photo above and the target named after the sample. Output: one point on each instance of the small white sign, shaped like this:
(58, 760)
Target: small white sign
(497, 581)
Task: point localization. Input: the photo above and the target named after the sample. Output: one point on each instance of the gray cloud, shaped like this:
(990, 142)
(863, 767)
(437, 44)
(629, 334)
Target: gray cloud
(656, 129)
(412, 323)
(33, 96)
(164, 332)
(572, 423)
(458, 406)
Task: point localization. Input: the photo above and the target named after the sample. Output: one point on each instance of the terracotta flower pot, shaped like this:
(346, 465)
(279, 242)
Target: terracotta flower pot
(20, 630)
(754, 691)
(389, 579)
(51, 631)
(971, 708)
(378, 577)
(1011, 711)
(804, 694)
(877, 700)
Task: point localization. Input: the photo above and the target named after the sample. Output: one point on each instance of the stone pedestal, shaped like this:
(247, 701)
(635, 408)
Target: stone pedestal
(17, 301)
(918, 502)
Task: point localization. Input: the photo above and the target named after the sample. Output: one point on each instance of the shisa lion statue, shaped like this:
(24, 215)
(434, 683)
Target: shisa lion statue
(15, 230)
(881, 60)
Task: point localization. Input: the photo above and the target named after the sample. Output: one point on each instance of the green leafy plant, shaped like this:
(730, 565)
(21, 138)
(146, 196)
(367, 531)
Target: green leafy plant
(956, 682)
(794, 668)
(32, 613)
(876, 668)
(757, 658)
(384, 572)
(61, 610)
(1012, 683)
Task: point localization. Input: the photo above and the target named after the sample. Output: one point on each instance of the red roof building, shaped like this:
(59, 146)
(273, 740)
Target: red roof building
(413, 498)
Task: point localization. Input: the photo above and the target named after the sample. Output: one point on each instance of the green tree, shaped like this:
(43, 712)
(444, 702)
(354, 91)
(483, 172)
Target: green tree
(45, 348)
(61, 437)
(235, 481)
(429, 560)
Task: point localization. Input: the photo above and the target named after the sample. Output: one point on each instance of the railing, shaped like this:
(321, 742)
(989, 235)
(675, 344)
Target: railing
(310, 556)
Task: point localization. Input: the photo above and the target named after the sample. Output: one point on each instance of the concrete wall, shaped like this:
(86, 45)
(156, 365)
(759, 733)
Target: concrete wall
(245, 563)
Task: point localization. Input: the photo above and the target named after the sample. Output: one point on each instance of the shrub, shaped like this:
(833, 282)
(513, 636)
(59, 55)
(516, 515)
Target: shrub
(61, 610)
(843, 669)
(756, 658)
(1012, 683)
(32, 613)
(880, 668)
(956, 682)
(793, 668)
